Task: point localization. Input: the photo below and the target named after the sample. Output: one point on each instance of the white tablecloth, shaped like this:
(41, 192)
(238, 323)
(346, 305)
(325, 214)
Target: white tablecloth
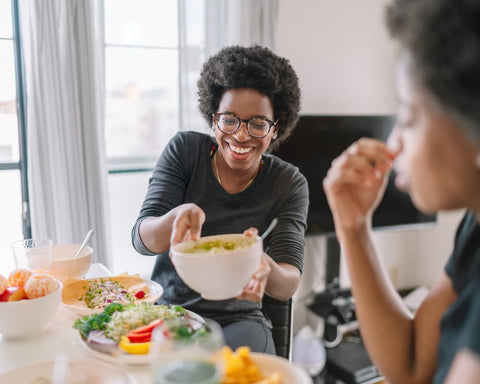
(58, 337)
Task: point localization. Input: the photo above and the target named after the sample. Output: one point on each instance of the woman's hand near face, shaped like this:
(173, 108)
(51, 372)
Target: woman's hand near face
(356, 181)
(187, 224)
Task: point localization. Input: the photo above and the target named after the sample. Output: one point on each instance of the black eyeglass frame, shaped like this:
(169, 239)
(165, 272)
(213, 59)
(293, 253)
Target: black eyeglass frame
(216, 115)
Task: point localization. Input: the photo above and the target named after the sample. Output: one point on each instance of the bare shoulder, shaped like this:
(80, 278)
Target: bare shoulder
(465, 368)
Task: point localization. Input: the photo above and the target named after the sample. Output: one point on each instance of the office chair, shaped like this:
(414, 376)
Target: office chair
(280, 314)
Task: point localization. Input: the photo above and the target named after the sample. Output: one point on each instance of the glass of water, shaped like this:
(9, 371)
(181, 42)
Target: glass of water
(187, 350)
(35, 254)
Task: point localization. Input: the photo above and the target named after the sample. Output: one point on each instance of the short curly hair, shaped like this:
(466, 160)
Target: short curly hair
(443, 39)
(253, 67)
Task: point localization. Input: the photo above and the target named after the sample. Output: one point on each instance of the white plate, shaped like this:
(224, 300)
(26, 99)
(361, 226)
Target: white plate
(79, 371)
(156, 291)
(290, 373)
(118, 357)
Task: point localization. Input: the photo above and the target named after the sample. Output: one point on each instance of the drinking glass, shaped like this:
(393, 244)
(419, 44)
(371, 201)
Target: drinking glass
(187, 351)
(35, 254)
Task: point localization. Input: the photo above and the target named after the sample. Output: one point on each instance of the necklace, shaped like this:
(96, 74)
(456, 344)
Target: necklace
(218, 175)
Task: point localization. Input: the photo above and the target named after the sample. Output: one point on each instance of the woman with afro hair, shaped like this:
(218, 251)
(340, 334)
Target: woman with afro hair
(228, 183)
(435, 150)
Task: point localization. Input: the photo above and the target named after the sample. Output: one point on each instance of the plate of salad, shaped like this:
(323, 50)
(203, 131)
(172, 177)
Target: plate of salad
(90, 296)
(122, 332)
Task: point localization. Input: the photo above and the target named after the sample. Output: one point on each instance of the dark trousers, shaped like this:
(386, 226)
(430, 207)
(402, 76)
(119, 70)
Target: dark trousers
(249, 333)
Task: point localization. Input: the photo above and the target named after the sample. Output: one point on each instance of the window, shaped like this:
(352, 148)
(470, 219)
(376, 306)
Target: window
(10, 164)
(153, 53)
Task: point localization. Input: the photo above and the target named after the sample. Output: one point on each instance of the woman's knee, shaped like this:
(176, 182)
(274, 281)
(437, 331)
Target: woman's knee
(252, 334)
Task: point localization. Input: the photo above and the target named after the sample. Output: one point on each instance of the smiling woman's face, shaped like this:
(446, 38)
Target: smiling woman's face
(436, 164)
(240, 151)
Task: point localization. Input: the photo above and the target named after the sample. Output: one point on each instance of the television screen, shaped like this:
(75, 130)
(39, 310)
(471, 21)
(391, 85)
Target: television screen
(316, 141)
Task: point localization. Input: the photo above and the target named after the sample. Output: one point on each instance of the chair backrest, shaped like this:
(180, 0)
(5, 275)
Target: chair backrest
(280, 314)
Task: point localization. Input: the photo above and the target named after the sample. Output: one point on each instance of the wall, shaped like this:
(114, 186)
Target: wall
(341, 51)
(345, 62)
(126, 194)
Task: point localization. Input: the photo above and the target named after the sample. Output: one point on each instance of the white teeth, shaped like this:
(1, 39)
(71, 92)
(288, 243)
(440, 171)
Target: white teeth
(240, 150)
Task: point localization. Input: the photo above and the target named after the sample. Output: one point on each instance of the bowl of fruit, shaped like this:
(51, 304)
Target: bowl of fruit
(28, 301)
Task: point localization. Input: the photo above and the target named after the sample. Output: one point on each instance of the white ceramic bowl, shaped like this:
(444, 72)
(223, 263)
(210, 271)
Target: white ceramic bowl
(22, 318)
(64, 266)
(218, 275)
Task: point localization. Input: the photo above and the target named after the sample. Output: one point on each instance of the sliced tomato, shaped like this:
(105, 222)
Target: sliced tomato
(139, 337)
(147, 328)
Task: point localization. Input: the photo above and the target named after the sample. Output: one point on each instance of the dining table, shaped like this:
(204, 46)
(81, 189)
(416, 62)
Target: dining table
(58, 339)
(58, 343)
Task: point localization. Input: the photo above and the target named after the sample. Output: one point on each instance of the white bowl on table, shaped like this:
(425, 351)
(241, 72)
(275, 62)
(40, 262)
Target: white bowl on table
(64, 266)
(218, 274)
(24, 317)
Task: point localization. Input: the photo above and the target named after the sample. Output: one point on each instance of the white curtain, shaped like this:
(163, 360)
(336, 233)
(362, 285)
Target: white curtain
(63, 48)
(240, 22)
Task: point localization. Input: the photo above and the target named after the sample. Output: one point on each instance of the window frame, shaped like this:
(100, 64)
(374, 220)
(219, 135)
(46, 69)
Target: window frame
(22, 164)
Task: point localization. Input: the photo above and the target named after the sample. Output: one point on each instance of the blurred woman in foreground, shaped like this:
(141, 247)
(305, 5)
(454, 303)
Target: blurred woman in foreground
(435, 150)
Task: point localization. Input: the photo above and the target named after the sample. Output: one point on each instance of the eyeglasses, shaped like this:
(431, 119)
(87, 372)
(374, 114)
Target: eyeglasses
(256, 126)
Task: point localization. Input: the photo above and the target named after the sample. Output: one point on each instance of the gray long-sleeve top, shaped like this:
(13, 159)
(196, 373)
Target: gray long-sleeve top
(184, 174)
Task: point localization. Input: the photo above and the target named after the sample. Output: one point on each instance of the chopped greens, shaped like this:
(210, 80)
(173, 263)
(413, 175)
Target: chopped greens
(117, 319)
(98, 321)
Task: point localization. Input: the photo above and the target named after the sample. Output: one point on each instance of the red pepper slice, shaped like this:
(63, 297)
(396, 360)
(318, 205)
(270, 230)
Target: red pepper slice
(146, 328)
(139, 337)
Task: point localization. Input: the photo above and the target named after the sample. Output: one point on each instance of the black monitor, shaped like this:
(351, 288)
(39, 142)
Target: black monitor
(316, 141)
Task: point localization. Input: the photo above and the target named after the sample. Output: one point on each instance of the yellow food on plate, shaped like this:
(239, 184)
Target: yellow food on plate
(133, 348)
(241, 369)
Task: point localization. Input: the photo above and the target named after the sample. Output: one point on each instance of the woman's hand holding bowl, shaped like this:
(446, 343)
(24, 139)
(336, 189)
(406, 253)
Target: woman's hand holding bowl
(187, 224)
(255, 288)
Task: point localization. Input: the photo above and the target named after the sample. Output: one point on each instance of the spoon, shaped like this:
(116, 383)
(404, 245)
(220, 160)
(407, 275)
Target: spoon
(270, 228)
(87, 238)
